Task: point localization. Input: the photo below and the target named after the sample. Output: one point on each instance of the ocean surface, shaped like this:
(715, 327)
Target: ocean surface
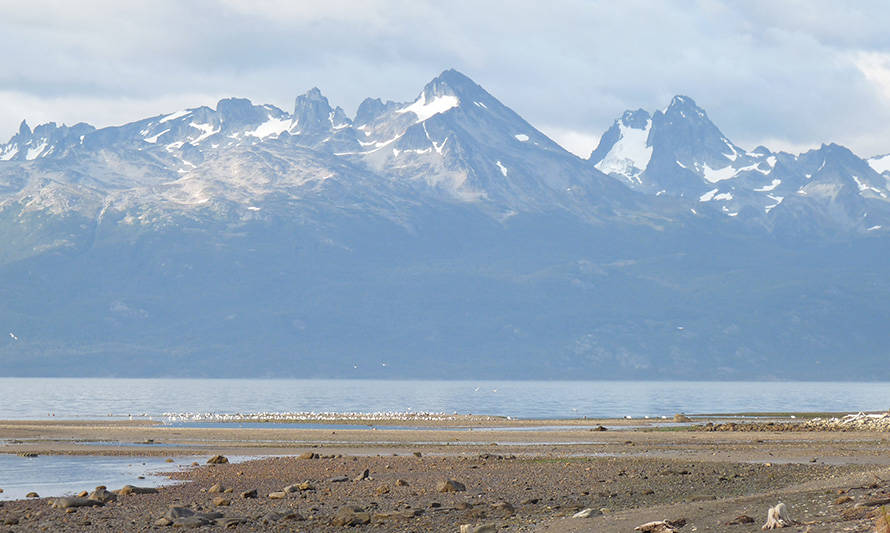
(81, 398)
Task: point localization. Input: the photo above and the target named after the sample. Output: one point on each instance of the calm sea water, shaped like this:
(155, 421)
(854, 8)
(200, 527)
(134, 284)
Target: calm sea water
(39, 398)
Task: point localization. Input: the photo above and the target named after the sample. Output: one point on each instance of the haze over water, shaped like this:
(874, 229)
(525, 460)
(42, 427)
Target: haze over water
(39, 398)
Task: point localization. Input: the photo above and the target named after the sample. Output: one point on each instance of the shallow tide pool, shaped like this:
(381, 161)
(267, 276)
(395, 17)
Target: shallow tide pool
(62, 475)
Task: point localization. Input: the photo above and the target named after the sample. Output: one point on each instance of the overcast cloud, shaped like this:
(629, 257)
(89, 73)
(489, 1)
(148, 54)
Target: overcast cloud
(789, 75)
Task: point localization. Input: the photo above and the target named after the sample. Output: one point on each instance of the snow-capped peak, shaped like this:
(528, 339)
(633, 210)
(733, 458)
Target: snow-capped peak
(443, 93)
(43, 141)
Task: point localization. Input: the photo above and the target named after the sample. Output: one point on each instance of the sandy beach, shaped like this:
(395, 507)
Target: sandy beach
(516, 475)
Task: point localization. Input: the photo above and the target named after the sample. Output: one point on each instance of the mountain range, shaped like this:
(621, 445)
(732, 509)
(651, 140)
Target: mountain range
(444, 237)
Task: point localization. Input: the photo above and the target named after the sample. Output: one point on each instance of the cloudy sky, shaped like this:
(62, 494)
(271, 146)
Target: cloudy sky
(789, 75)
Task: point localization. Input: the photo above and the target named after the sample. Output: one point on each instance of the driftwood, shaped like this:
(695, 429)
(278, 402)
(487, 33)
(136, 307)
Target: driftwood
(778, 517)
(659, 526)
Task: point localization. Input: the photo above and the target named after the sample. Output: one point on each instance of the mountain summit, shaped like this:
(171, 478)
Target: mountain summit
(679, 152)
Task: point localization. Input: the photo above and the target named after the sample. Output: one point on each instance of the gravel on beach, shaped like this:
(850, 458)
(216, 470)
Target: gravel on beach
(562, 481)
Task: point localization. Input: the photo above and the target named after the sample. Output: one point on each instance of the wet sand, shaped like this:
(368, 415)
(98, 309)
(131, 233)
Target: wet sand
(527, 479)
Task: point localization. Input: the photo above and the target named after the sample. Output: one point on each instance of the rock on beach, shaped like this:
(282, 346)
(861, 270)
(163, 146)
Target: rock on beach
(351, 516)
(450, 485)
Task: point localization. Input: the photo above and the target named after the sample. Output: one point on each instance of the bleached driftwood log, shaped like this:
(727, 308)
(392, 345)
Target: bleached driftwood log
(586, 513)
(778, 517)
(660, 526)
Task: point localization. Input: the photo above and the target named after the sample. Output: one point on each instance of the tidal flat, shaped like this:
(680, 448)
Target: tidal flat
(516, 475)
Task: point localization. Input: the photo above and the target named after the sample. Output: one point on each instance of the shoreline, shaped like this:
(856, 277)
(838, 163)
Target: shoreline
(628, 474)
(154, 438)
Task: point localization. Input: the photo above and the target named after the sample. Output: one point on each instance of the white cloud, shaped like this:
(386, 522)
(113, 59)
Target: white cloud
(580, 143)
(780, 145)
(794, 71)
(875, 66)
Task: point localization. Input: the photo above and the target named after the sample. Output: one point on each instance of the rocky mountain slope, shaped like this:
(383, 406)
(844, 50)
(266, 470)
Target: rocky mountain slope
(441, 237)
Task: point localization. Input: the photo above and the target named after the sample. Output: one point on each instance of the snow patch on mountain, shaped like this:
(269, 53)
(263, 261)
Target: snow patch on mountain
(776, 199)
(273, 126)
(9, 152)
(502, 168)
(425, 109)
(154, 138)
(713, 195)
(714, 175)
(708, 196)
(630, 155)
(734, 154)
(771, 187)
(206, 131)
(174, 116)
(34, 153)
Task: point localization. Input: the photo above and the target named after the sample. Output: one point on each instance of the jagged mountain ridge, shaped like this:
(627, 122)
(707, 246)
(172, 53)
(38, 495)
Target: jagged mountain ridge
(444, 236)
(431, 145)
(679, 152)
(175, 161)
